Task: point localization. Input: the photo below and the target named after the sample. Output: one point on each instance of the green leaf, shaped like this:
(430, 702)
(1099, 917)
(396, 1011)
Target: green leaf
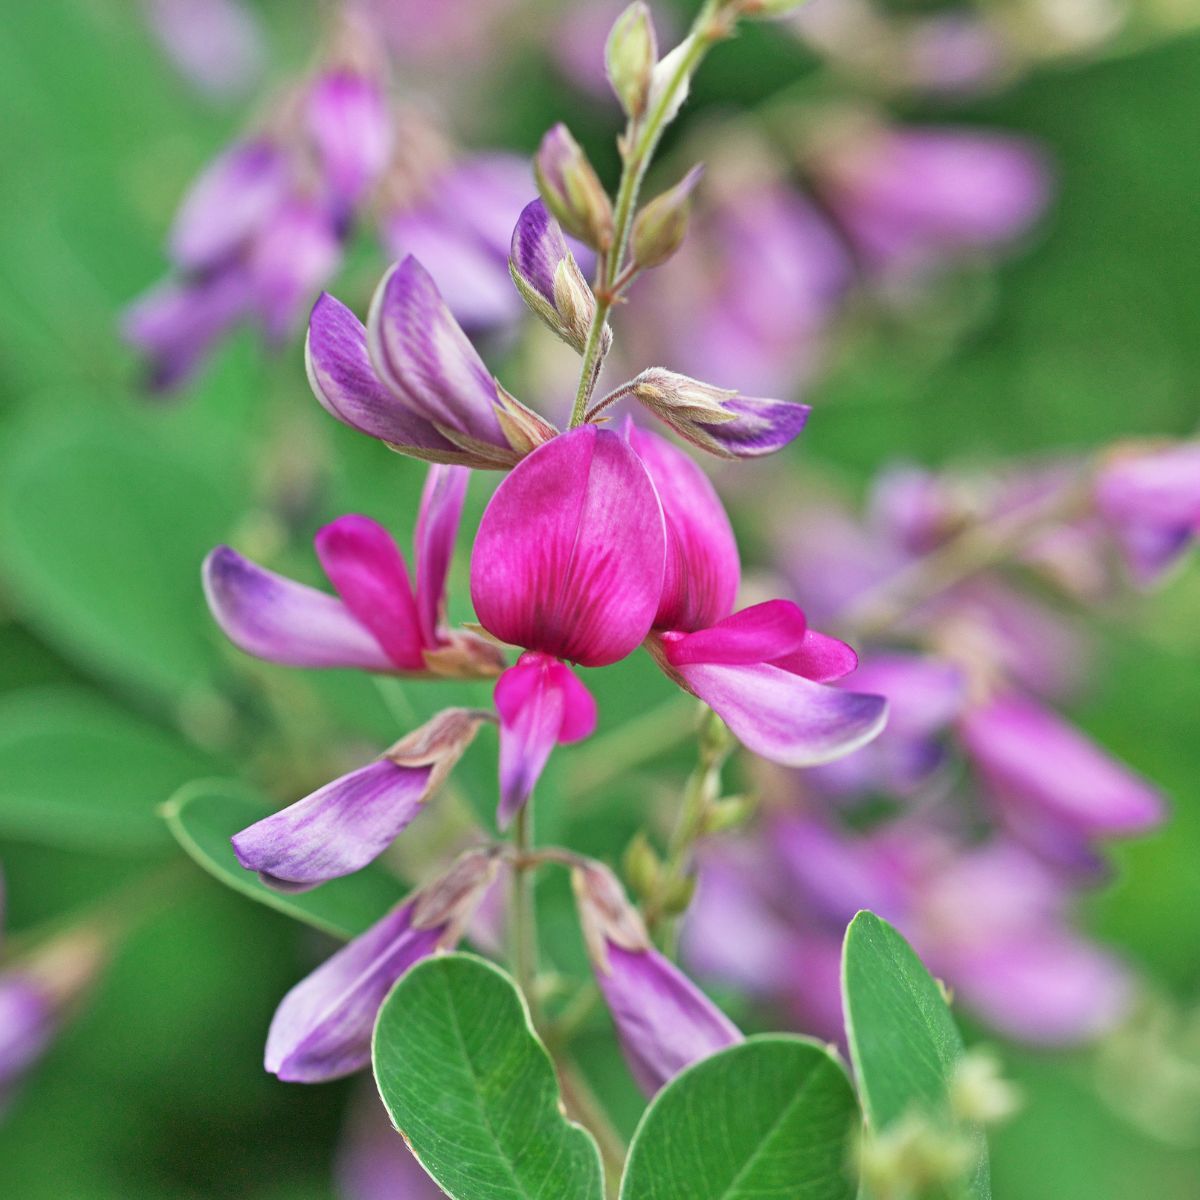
(80, 772)
(104, 530)
(769, 1118)
(473, 1091)
(205, 814)
(904, 1043)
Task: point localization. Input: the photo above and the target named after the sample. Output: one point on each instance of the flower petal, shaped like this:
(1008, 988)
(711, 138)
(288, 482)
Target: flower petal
(784, 717)
(569, 557)
(820, 658)
(1038, 763)
(351, 129)
(762, 633)
(702, 568)
(281, 621)
(437, 527)
(335, 831)
(541, 704)
(419, 350)
(538, 246)
(344, 381)
(664, 1021)
(322, 1028)
(362, 562)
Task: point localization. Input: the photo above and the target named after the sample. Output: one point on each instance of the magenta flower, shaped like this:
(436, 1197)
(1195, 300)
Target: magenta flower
(664, 1021)
(762, 669)
(351, 131)
(322, 1028)
(1151, 502)
(379, 621)
(413, 379)
(348, 823)
(568, 563)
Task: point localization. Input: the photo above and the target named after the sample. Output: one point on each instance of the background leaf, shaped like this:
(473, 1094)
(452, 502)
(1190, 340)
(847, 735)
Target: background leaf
(771, 1117)
(473, 1091)
(76, 771)
(904, 1043)
(205, 814)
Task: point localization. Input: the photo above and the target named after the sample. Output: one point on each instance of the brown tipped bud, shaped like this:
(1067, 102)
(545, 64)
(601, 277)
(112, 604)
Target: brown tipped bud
(439, 743)
(451, 899)
(662, 225)
(572, 190)
(629, 57)
(605, 914)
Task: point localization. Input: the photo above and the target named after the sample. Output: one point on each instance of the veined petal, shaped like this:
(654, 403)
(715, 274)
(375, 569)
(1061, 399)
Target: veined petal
(664, 1021)
(286, 622)
(344, 381)
(335, 831)
(322, 1028)
(538, 246)
(437, 527)
(761, 426)
(541, 704)
(784, 717)
(702, 566)
(569, 556)
(761, 633)
(1036, 761)
(362, 562)
(420, 351)
(820, 658)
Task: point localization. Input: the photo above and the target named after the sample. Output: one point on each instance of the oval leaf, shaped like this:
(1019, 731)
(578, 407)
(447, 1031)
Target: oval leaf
(205, 814)
(769, 1117)
(78, 771)
(473, 1091)
(904, 1043)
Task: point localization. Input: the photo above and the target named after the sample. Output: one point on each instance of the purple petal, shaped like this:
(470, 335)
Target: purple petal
(322, 1028)
(762, 426)
(421, 353)
(362, 562)
(924, 694)
(541, 704)
(335, 831)
(1038, 763)
(820, 658)
(233, 198)
(344, 381)
(351, 129)
(437, 528)
(664, 1021)
(762, 633)
(785, 717)
(538, 246)
(702, 567)
(569, 557)
(26, 1027)
(281, 621)
(373, 1161)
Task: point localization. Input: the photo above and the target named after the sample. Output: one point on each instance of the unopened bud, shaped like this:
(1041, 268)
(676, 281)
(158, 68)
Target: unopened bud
(662, 225)
(729, 813)
(643, 867)
(979, 1093)
(629, 57)
(678, 894)
(913, 1157)
(572, 190)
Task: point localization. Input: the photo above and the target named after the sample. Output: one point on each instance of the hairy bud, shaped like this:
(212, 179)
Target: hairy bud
(572, 190)
(662, 225)
(629, 57)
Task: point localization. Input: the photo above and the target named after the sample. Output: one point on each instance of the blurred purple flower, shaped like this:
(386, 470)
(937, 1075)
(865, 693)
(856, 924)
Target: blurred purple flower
(373, 1161)
(216, 44)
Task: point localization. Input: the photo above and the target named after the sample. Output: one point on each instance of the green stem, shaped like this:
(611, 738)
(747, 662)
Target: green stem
(524, 913)
(583, 1104)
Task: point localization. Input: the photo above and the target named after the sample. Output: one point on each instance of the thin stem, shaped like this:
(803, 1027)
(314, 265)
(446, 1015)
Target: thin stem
(583, 1104)
(524, 912)
(593, 360)
(604, 402)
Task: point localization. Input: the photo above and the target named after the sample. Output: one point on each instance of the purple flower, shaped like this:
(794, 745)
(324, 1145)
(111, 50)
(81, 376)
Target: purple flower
(664, 1021)
(381, 622)
(27, 1025)
(373, 1161)
(351, 131)
(348, 823)
(216, 44)
(1151, 502)
(322, 1028)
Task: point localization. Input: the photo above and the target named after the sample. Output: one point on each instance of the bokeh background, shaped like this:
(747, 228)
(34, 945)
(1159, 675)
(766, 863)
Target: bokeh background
(117, 688)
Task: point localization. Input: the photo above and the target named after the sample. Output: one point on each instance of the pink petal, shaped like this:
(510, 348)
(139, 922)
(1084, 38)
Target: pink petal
(437, 527)
(702, 570)
(362, 562)
(569, 555)
(762, 633)
(784, 717)
(282, 621)
(820, 658)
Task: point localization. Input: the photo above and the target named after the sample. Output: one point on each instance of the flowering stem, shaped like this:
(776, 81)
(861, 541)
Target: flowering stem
(584, 1106)
(642, 136)
(624, 390)
(524, 911)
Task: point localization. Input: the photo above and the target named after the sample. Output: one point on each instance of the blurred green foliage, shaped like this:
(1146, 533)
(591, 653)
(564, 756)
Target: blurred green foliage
(107, 505)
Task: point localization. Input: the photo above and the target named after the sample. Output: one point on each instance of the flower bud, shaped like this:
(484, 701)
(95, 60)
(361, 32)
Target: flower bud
(629, 57)
(979, 1093)
(914, 1157)
(642, 866)
(662, 225)
(572, 190)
